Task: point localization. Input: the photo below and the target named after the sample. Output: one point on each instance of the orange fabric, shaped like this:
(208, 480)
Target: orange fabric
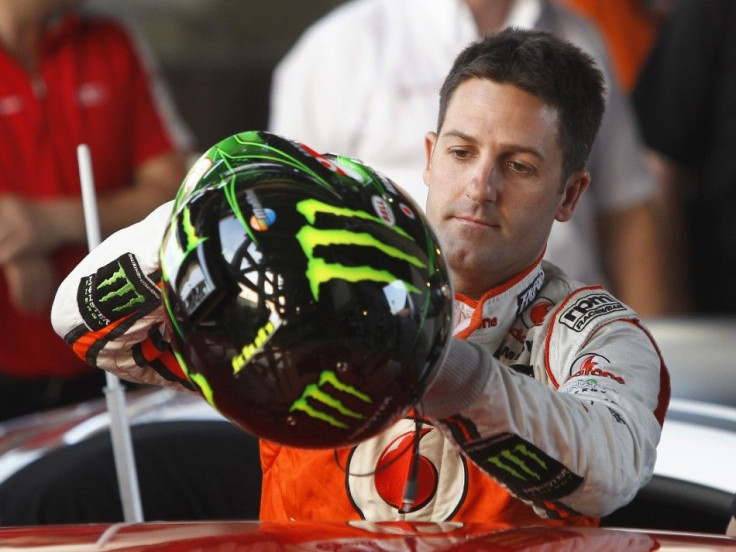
(82, 345)
(310, 485)
(628, 30)
(172, 365)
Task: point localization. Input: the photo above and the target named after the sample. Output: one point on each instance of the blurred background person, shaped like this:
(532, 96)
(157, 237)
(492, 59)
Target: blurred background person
(364, 80)
(68, 79)
(628, 28)
(686, 101)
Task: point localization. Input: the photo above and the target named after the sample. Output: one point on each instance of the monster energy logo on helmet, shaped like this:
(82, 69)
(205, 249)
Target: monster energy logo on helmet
(320, 271)
(316, 392)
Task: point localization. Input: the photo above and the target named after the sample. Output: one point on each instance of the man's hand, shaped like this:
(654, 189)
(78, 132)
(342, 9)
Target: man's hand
(36, 227)
(24, 228)
(32, 282)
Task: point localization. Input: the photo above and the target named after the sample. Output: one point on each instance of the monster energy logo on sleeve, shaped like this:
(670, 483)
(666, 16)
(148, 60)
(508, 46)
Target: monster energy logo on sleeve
(318, 393)
(121, 289)
(116, 290)
(519, 461)
(527, 471)
(320, 271)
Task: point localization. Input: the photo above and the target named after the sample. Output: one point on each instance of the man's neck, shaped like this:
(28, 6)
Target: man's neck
(21, 32)
(489, 15)
(473, 284)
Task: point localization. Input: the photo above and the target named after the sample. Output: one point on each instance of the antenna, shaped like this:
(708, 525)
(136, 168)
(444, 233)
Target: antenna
(122, 444)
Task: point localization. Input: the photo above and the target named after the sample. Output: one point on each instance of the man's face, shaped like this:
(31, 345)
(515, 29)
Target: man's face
(495, 183)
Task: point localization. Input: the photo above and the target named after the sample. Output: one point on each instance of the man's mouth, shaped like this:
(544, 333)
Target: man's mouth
(474, 221)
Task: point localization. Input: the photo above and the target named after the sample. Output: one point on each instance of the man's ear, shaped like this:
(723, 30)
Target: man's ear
(430, 139)
(575, 185)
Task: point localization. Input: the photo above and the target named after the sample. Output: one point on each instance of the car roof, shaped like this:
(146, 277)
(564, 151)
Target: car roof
(237, 536)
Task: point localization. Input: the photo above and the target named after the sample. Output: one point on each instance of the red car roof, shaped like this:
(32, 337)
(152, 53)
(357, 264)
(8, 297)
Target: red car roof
(361, 536)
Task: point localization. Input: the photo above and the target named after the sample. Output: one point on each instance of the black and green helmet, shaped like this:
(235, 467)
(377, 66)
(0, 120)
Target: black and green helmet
(306, 297)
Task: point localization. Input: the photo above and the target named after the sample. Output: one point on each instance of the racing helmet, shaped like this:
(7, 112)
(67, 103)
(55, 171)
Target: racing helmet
(305, 296)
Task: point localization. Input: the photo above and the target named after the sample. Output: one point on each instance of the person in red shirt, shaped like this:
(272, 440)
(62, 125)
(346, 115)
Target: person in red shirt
(67, 79)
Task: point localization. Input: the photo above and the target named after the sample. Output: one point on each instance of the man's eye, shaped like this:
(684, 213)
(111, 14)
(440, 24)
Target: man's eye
(520, 168)
(460, 154)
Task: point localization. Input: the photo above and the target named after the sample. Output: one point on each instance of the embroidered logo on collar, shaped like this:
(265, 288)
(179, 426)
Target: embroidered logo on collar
(527, 296)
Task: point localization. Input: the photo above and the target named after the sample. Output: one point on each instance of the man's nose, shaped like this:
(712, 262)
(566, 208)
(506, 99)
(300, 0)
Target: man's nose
(484, 184)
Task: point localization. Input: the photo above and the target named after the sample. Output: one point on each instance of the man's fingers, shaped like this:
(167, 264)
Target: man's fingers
(31, 284)
(10, 247)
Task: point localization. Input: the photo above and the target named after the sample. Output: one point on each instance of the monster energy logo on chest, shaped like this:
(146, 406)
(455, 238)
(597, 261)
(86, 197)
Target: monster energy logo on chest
(320, 271)
(319, 393)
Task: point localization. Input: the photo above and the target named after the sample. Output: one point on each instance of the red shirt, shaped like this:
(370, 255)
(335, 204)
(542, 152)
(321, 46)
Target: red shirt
(91, 87)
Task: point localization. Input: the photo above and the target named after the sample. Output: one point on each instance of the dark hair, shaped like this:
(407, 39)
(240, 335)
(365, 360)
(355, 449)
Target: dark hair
(553, 70)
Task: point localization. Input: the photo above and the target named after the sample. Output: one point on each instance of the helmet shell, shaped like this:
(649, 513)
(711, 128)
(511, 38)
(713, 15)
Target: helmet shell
(305, 295)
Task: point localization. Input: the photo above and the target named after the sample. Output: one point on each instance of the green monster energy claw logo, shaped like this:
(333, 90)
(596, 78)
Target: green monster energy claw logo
(316, 392)
(320, 271)
(514, 461)
(114, 291)
(123, 288)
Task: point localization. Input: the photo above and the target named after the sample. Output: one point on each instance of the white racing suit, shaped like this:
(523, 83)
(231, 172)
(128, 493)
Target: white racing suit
(553, 389)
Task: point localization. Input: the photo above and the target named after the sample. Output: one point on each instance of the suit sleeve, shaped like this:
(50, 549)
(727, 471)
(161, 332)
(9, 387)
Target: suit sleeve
(109, 308)
(581, 442)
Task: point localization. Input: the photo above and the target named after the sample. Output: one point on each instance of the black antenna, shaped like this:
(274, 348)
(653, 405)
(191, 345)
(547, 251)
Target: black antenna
(410, 488)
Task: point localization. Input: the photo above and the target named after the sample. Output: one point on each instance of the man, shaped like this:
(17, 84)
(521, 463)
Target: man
(360, 82)
(67, 79)
(548, 405)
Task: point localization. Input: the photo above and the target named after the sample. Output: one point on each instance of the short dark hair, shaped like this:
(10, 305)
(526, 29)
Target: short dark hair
(558, 73)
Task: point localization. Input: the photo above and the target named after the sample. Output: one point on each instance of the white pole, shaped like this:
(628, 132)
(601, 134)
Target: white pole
(122, 444)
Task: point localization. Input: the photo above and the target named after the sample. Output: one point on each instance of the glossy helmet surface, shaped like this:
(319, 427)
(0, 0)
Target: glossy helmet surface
(306, 297)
